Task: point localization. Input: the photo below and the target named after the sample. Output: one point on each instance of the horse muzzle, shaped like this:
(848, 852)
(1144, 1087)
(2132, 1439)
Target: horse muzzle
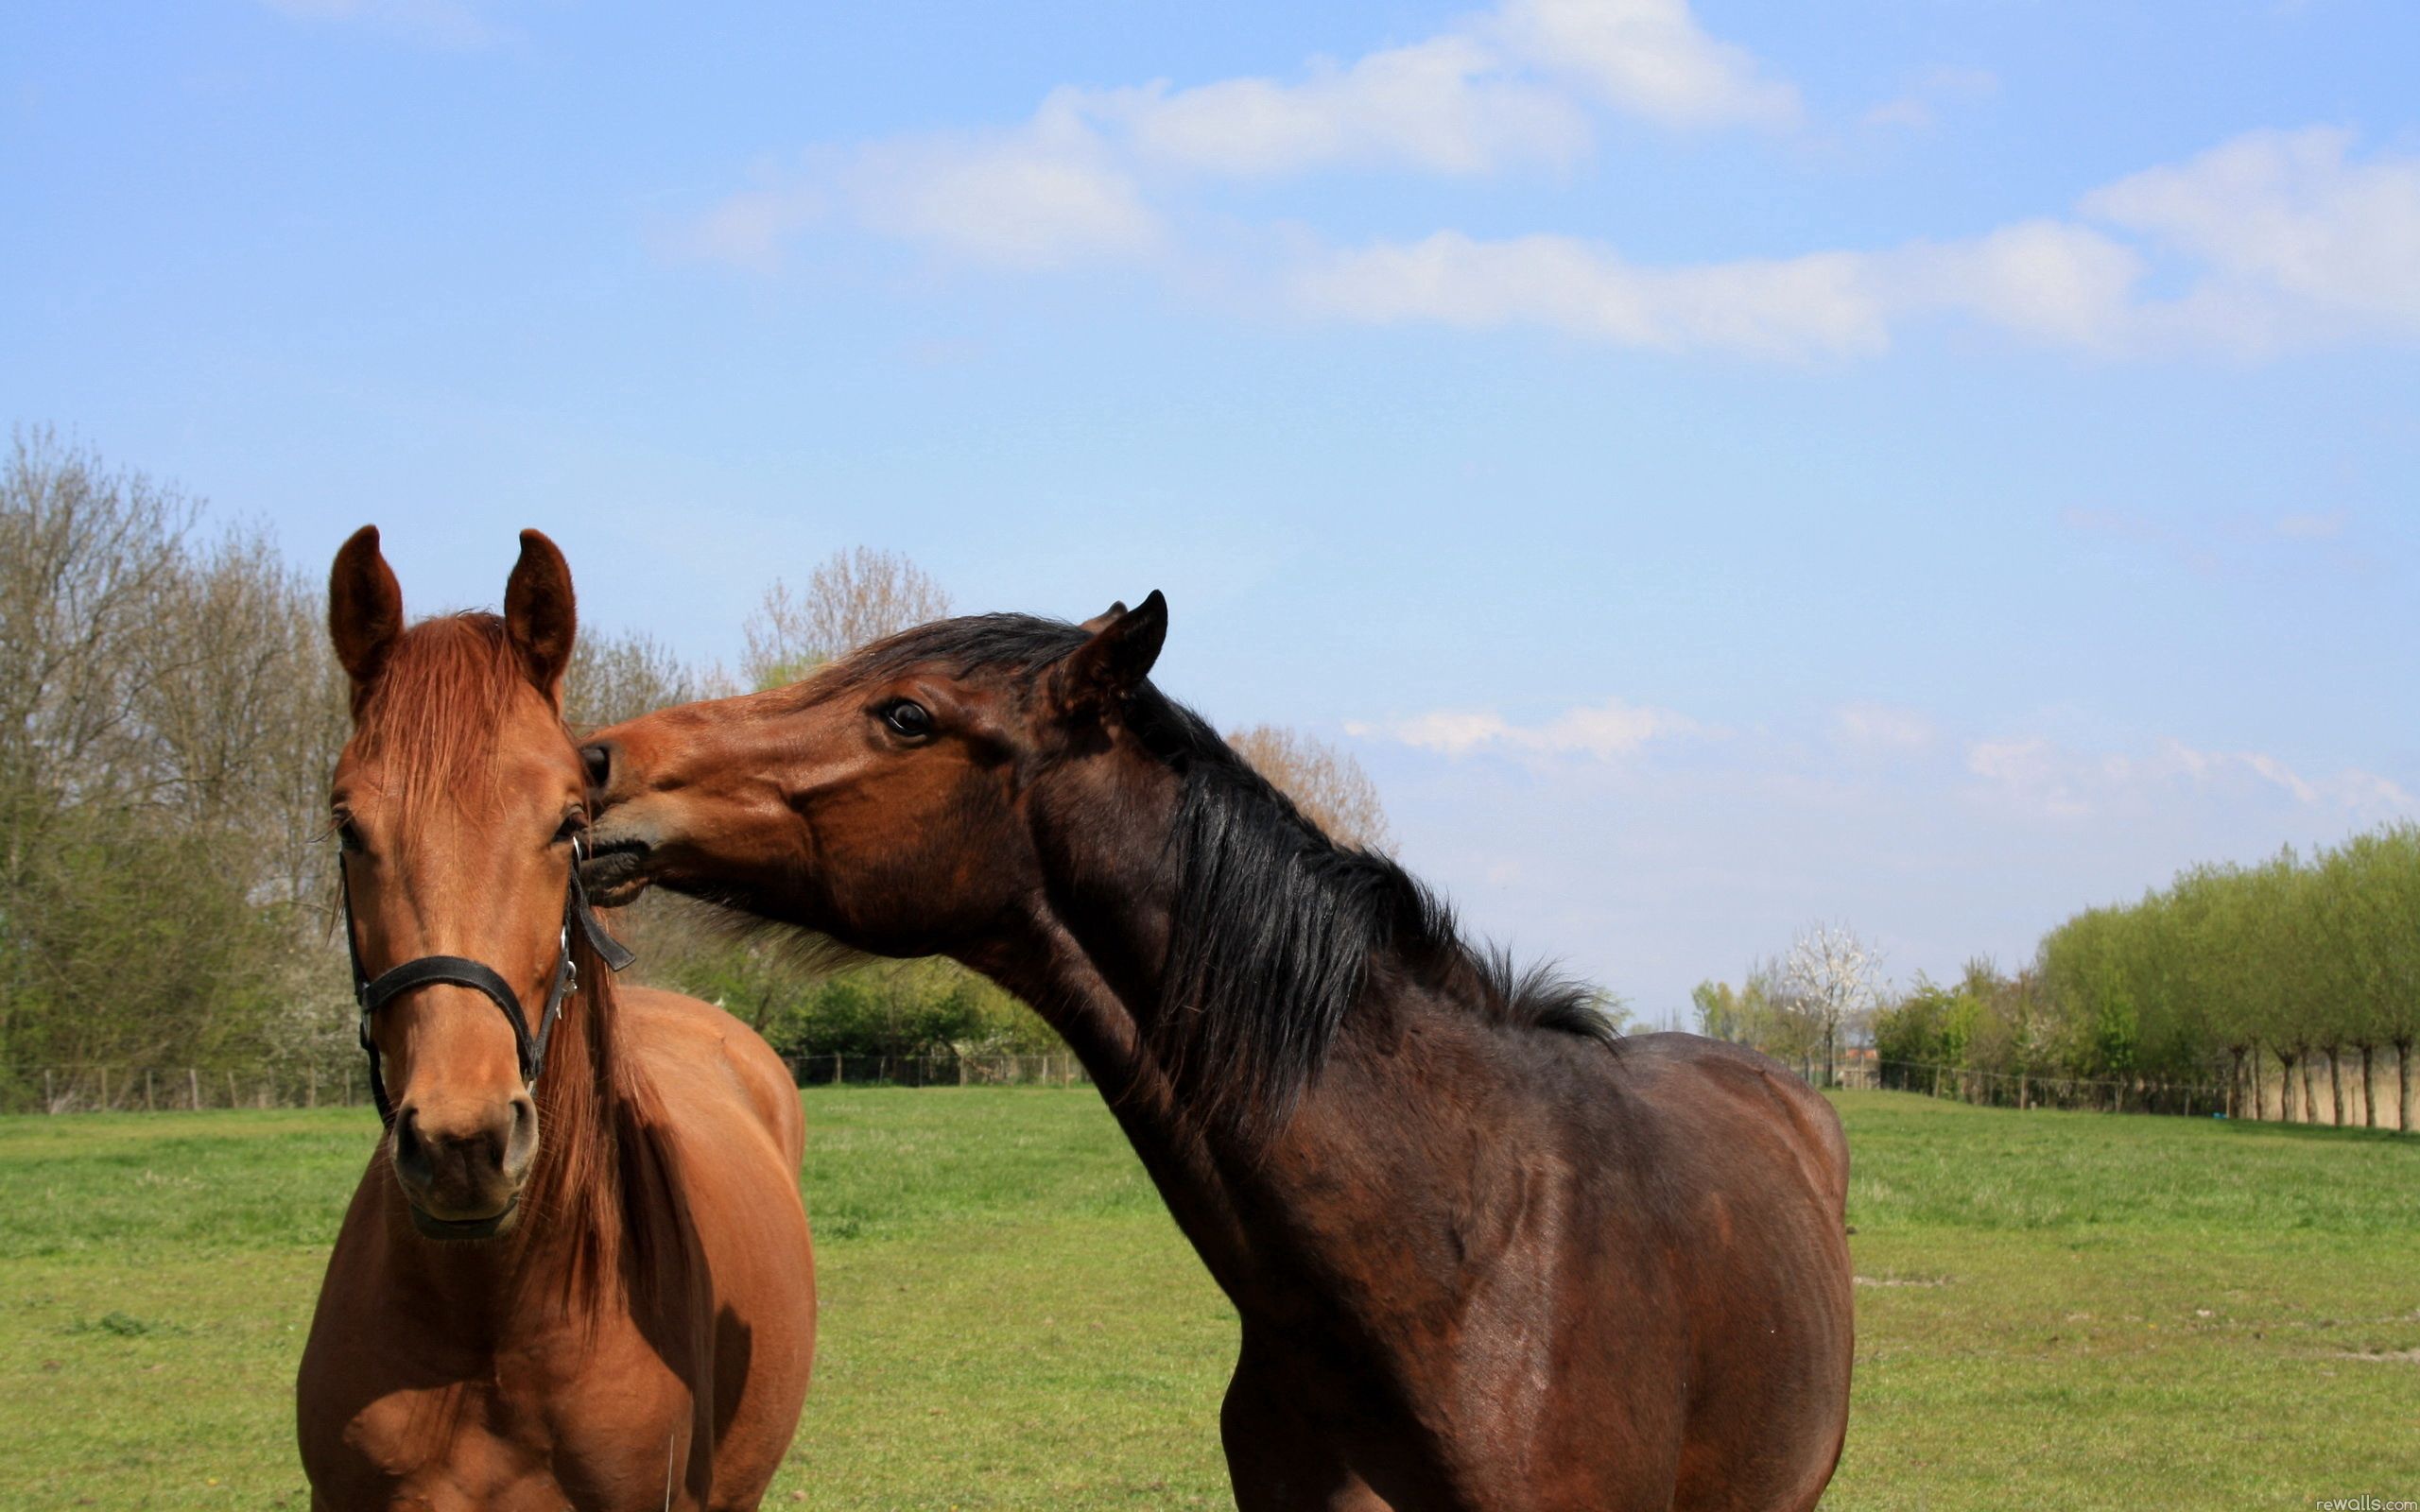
(615, 871)
(461, 1173)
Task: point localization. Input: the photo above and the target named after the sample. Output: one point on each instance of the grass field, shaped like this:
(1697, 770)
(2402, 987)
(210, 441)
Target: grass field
(2054, 1309)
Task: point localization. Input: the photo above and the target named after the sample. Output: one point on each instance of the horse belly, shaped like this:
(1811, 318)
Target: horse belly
(1775, 1340)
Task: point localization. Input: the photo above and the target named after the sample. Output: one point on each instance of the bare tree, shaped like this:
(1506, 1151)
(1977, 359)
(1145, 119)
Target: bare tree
(1832, 975)
(169, 717)
(1327, 784)
(854, 597)
(85, 555)
(615, 678)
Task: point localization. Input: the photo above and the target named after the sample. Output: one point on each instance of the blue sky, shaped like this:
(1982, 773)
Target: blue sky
(1930, 465)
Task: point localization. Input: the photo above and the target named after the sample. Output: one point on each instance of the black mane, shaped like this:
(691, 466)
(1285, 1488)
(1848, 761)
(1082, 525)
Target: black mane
(1275, 924)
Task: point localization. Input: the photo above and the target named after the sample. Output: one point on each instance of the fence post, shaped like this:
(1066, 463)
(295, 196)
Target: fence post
(147, 1088)
(105, 1089)
(49, 1101)
(193, 1085)
(231, 1088)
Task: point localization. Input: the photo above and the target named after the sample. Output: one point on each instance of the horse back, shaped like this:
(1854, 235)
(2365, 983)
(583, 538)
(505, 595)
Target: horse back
(1744, 1092)
(699, 1057)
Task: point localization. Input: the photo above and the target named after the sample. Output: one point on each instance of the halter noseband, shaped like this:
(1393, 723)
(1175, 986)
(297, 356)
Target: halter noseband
(460, 971)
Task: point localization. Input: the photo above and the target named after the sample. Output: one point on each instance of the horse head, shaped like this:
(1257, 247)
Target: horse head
(460, 804)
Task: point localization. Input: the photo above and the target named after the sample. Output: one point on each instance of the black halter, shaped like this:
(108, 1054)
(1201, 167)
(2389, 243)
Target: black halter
(460, 971)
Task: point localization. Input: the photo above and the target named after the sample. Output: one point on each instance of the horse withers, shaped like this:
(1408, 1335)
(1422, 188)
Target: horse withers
(576, 1272)
(1486, 1255)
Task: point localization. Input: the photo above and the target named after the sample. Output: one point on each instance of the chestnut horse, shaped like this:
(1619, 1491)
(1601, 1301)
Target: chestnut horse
(1486, 1254)
(576, 1272)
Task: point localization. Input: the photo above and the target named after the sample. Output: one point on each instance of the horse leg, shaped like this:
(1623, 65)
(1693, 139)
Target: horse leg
(1276, 1460)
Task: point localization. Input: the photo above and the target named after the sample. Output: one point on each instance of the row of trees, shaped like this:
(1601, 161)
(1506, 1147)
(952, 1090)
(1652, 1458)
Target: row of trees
(2283, 986)
(169, 717)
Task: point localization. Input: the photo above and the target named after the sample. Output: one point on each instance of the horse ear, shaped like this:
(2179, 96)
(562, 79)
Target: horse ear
(1118, 657)
(364, 607)
(1101, 620)
(539, 613)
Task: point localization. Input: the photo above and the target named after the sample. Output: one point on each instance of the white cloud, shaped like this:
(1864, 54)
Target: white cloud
(2276, 239)
(1444, 106)
(2294, 242)
(747, 230)
(1803, 306)
(1649, 58)
(1880, 727)
(2045, 280)
(1510, 87)
(1604, 732)
(1044, 197)
(2036, 773)
(1936, 87)
(2293, 245)
(2009, 761)
(1507, 88)
(2041, 279)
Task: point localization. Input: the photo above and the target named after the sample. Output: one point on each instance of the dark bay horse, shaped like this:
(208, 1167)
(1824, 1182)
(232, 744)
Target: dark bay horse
(576, 1273)
(1486, 1255)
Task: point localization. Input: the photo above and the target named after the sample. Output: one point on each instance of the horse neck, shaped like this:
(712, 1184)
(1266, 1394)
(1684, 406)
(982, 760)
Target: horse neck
(1088, 965)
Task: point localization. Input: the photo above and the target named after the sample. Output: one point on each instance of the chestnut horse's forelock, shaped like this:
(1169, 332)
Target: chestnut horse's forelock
(433, 721)
(431, 718)
(1275, 923)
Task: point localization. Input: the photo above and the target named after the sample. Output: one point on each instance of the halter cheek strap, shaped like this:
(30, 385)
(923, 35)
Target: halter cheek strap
(458, 971)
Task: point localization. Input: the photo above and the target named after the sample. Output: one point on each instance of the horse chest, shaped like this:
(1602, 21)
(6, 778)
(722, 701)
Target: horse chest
(600, 1431)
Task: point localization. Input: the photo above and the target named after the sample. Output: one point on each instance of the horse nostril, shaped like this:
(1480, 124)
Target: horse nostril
(599, 759)
(521, 1140)
(411, 1151)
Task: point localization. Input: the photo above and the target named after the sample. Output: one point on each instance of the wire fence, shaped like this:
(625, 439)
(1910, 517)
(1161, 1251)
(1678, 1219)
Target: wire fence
(119, 1088)
(2347, 1097)
(88, 1089)
(2029, 1090)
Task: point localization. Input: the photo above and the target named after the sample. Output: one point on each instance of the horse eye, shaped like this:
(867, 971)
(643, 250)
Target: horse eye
(909, 719)
(570, 829)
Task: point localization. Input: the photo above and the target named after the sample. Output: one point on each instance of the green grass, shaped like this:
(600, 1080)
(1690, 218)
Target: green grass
(2054, 1309)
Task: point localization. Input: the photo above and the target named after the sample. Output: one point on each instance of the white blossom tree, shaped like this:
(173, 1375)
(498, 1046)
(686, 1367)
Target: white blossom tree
(1832, 975)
